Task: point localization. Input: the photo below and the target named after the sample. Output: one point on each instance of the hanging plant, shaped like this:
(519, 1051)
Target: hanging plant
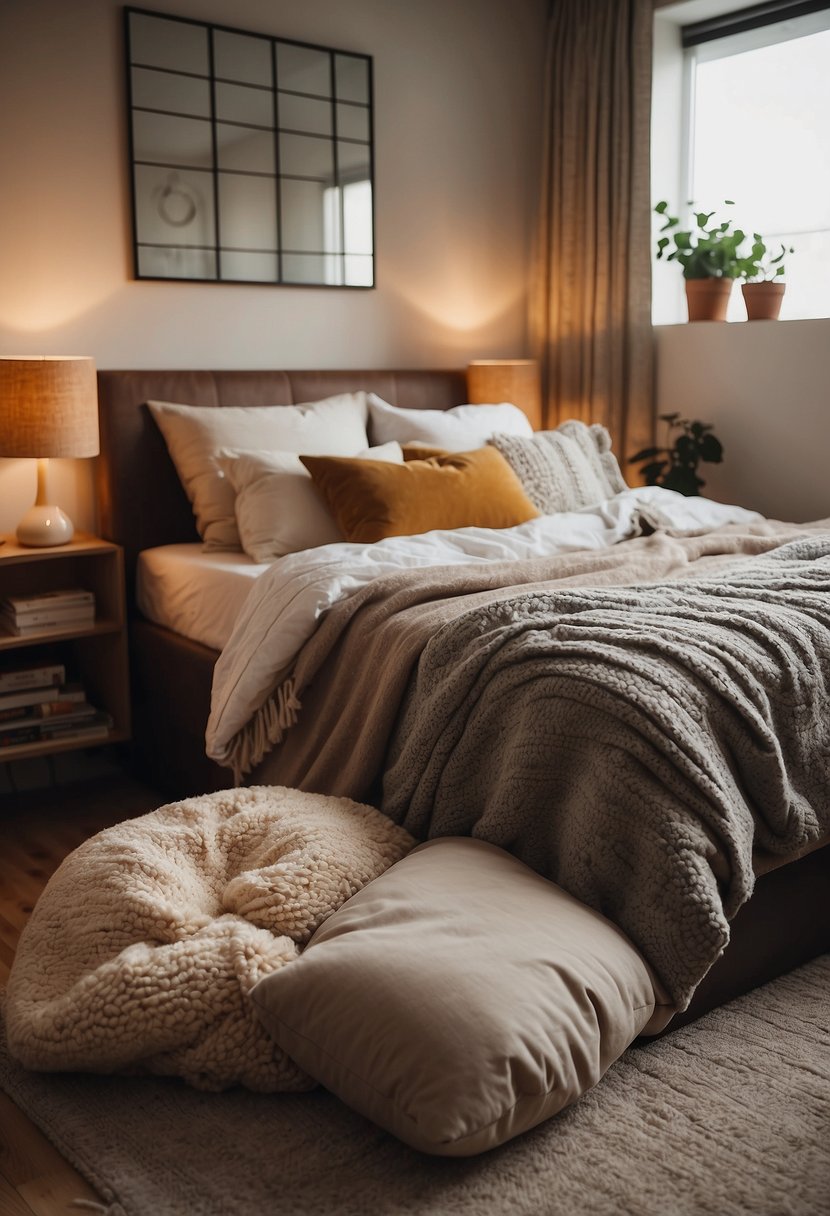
(674, 467)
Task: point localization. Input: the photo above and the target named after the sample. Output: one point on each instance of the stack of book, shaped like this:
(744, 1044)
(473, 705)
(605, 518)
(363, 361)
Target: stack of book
(48, 612)
(38, 707)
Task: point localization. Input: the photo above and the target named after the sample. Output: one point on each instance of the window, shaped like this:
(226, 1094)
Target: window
(755, 113)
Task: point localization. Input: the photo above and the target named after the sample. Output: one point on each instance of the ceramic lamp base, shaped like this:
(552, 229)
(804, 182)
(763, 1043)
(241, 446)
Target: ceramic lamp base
(45, 525)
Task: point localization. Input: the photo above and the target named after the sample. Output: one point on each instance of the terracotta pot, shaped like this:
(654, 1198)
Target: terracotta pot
(763, 300)
(708, 299)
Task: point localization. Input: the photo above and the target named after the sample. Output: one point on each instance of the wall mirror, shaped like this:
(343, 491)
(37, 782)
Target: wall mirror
(251, 156)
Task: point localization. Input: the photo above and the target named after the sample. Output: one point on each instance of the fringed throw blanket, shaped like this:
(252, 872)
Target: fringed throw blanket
(143, 949)
(633, 744)
(630, 751)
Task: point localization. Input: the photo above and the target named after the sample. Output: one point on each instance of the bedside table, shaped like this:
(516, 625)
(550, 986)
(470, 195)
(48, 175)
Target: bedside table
(94, 654)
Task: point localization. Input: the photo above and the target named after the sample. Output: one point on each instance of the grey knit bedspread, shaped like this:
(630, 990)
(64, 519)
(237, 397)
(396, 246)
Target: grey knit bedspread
(634, 744)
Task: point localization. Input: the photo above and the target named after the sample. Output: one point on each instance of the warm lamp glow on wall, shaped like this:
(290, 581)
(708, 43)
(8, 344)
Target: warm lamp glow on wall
(48, 407)
(491, 381)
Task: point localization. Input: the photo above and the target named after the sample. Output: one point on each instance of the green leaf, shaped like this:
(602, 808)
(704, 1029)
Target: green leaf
(670, 418)
(652, 471)
(686, 450)
(646, 454)
(683, 481)
(711, 450)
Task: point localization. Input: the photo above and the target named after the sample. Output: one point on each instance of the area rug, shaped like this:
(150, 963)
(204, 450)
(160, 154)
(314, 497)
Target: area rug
(728, 1115)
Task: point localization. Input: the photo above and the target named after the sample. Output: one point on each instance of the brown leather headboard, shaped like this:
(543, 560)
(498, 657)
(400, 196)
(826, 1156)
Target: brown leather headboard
(141, 501)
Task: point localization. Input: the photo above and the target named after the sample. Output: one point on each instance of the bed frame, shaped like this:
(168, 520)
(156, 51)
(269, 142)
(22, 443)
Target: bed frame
(142, 504)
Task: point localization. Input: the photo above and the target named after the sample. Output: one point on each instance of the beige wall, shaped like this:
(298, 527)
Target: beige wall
(765, 385)
(457, 114)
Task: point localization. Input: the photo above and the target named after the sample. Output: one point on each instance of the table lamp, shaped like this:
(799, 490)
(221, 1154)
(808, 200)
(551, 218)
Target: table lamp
(48, 407)
(490, 381)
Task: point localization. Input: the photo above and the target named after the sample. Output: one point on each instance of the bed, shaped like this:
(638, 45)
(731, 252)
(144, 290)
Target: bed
(143, 507)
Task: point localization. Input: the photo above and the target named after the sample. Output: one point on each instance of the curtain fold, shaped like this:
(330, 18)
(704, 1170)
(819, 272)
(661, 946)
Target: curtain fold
(591, 299)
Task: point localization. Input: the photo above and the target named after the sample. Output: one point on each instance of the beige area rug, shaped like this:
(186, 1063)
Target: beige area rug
(728, 1115)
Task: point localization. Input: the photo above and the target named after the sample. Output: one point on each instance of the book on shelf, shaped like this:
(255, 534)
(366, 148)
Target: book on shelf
(41, 702)
(73, 617)
(68, 711)
(46, 612)
(95, 726)
(73, 597)
(23, 678)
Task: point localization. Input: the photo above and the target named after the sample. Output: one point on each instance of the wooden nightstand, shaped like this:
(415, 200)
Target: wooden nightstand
(95, 654)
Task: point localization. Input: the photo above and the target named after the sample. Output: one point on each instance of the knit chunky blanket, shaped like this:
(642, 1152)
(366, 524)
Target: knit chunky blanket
(632, 723)
(143, 949)
(634, 744)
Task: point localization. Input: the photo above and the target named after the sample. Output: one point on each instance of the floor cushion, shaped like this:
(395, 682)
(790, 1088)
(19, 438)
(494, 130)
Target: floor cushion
(459, 999)
(144, 947)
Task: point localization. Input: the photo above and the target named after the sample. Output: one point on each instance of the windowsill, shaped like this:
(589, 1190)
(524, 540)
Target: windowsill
(788, 321)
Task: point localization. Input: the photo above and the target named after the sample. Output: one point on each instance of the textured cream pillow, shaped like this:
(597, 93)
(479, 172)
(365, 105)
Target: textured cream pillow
(459, 429)
(195, 434)
(278, 508)
(565, 469)
(459, 999)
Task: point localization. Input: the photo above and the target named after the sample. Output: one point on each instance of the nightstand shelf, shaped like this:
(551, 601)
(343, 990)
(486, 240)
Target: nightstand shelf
(96, 654)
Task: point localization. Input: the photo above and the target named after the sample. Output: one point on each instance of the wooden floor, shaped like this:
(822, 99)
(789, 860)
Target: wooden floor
(37, 830)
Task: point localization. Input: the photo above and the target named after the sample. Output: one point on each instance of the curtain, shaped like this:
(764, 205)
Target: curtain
(591, 296)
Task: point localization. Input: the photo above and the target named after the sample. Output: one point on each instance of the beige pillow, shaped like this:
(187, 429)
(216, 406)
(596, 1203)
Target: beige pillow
(565, 469)
(196, 434)
(278, 508)
(371, 501)
(459, 999)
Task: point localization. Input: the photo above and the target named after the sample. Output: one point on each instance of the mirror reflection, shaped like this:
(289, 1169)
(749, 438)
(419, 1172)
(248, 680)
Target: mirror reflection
(251, 156)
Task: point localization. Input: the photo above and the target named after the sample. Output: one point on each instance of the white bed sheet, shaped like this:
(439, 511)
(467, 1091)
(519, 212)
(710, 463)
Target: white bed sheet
(193, 592)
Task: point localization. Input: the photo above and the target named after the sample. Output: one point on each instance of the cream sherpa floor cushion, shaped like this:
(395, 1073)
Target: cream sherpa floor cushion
(143, 949)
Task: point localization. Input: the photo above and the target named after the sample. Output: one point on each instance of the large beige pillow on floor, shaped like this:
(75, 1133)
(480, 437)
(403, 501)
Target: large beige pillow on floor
(459, 999)
(196, 434)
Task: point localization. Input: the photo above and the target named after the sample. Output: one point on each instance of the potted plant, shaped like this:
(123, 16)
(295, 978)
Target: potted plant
(763, 289)
(674, 467)
(708, 254)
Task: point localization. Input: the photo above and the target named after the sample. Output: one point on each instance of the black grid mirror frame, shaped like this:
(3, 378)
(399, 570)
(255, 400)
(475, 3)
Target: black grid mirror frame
(251, 156)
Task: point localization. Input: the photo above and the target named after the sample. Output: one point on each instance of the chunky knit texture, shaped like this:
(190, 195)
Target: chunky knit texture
(565, 469)
(143, 948)
(633, 744)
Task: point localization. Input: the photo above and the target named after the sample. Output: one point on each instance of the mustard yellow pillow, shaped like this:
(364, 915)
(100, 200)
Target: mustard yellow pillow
(423, 451)
(370, 500)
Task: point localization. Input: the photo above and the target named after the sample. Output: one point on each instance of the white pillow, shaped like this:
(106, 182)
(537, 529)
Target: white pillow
(195, 434)
(279, 510)
(460, 429)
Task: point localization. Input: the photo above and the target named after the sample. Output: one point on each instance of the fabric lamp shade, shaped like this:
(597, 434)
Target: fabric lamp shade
(490, 381)
(48, 407)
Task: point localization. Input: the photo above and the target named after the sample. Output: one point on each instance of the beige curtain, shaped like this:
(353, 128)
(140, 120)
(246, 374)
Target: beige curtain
(591, 299)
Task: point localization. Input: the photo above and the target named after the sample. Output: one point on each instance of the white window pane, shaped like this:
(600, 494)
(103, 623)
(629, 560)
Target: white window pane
(761, 135)
(808, 275)
(357, 217)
